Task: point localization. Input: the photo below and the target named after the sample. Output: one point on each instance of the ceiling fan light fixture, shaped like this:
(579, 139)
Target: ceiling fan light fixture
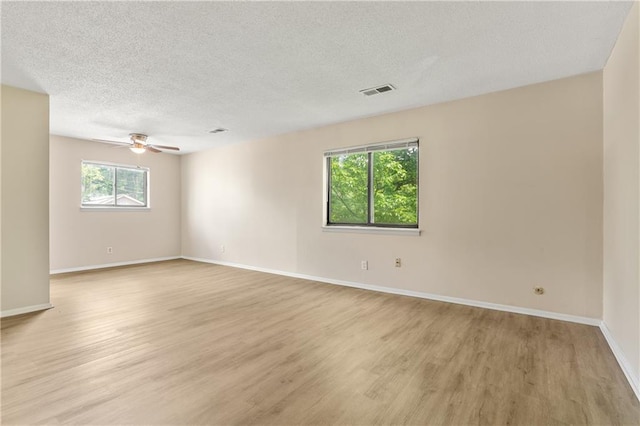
(137, 150)
(138, 140)
(139, 145)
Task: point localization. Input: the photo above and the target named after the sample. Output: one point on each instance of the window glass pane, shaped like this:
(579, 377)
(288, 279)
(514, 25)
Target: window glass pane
(348, 193)
(97, 185)
(132, 187)
(395, 186)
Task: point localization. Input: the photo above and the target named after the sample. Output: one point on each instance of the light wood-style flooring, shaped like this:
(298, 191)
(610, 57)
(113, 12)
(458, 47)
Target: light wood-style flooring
(182, 342)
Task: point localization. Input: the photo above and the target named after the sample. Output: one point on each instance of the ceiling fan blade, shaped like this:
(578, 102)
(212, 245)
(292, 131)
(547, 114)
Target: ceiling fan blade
(151, 148)
(164, 147)
(111, 142)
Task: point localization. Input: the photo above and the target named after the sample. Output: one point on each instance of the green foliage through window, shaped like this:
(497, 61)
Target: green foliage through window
(113, 186)
(375, 188)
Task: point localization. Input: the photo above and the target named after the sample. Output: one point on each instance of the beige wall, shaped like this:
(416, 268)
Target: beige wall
(622, 192)
(510, 198)
(80, 238)
(25, 200)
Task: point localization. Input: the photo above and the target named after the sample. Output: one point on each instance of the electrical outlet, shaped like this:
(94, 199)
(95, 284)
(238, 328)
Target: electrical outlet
(364, 265)
(538, 290)
(109, 250)
(398, 262)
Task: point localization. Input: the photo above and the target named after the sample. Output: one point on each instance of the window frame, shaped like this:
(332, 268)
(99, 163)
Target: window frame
(371, 225)
(116, 166)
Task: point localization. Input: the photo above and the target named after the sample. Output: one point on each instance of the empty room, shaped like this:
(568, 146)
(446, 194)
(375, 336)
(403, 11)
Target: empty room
(336, 213)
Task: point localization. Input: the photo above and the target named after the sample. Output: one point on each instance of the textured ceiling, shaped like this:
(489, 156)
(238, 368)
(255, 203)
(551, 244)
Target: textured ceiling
(176, 70)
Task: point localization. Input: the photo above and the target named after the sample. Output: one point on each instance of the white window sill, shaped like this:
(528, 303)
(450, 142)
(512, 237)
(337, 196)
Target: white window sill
(115, 209)
(372, 230)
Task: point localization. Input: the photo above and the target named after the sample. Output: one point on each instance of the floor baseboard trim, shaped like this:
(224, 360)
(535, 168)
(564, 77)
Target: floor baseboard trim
(111, 265)
(460, 301)
(634, 381)
(25, 310)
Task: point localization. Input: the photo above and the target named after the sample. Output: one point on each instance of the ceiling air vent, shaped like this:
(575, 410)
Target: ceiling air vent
(218, 130)
(375, 90)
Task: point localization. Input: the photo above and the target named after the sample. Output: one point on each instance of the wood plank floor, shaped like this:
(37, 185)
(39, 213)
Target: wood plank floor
(182, 342)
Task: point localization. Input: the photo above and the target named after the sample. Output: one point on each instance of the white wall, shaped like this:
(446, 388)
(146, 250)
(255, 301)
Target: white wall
(510, 198)
(25, 201)
(622, 195)
(79, 238)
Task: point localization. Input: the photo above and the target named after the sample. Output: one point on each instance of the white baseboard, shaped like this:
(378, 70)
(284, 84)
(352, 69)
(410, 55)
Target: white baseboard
(633, 380)
(25, 310)
(460, 301)
(111, 265)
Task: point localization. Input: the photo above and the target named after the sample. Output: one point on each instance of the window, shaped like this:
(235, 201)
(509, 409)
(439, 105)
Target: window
(108, 185)
(374, 185)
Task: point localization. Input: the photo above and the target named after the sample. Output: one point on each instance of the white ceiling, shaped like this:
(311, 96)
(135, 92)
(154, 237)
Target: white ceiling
(176, 70)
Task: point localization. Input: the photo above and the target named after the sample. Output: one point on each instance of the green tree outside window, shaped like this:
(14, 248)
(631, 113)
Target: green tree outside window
(377, 188)
(105, 185)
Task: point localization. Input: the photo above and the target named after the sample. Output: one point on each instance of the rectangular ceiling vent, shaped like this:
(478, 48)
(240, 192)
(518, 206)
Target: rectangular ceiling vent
(376, 90)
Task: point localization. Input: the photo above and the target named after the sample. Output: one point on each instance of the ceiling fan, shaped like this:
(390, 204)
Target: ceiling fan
(138, 144)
